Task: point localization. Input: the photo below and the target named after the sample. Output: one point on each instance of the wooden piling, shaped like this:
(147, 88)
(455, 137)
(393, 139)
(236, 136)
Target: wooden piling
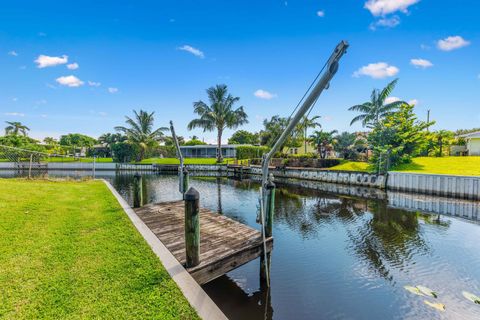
(137, 191)
(192, 228)
(270, 208)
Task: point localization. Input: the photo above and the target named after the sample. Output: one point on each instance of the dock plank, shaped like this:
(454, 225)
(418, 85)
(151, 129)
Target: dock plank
(225, 244)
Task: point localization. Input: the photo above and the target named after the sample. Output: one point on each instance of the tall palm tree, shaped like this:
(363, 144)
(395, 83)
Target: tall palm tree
(324, 141)
(307, 123)
(16, 127)
(376, 109)
(140, 131)
(219, 115)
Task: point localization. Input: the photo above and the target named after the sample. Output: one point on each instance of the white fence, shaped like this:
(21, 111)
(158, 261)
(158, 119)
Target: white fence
(435, 184)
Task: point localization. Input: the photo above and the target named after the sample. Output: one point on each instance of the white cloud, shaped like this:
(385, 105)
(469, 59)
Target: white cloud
(15, 114)
(421, 63)
(44, 61)
(94, 84)
(262, 94)
(413, 102)
(113, 90)
(73, 66)
(377, 70)
(386, 23)
(384, 7)
(196, 52)
(13, 53)
(321, 13)
(452, 43)
(70, 81)
(391, 99)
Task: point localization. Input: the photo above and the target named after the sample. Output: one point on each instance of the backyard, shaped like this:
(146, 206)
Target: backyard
(77, 257)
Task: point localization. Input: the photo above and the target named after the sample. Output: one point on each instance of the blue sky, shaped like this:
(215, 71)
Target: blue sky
(82, 67)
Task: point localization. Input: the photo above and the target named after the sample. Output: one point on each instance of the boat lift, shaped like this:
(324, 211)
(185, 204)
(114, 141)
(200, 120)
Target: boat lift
(182, 170)
(267, 189)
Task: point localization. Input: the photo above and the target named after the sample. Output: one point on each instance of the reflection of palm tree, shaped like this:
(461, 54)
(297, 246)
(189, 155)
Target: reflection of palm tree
(219, 196)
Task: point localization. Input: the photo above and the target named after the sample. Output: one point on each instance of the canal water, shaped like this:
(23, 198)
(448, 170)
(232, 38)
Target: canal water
(338, 256)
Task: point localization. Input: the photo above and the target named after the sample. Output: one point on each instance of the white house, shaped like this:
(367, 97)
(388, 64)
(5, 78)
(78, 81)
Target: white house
(473, 143)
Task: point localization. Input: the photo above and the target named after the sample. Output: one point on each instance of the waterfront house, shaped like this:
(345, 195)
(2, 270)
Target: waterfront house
(472, 143)
(209, 151)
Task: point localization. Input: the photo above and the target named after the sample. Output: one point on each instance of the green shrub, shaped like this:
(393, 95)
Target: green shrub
(125, 152)
(251, 152)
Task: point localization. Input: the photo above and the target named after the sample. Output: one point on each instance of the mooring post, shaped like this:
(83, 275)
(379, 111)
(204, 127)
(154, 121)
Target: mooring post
(137, 190)
(185, 181)
(192, 227)
(270, 207)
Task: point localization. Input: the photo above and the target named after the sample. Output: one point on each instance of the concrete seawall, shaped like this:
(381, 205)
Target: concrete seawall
(463, 187)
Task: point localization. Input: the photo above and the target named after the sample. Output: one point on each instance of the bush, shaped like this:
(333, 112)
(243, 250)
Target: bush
(310, 162)
(251, 152)
(125, 152)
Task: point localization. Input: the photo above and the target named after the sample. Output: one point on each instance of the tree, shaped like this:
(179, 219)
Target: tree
(50, 141)
(306, 124)
(194, 142)
(324, 141)
(274, 128)
(346, 144)
(140, 131)
(219, 115)
(442, 138)
(397, 138)
(244, 137)
(15, 128)
(373, 111)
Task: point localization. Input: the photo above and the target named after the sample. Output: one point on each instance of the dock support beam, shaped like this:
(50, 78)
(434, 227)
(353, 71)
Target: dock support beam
(192, 227)
(137, 191)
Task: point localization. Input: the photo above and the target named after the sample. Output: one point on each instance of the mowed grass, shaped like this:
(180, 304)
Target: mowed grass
(68, 251)
(463, 166)
(352, 166)
(186, 161)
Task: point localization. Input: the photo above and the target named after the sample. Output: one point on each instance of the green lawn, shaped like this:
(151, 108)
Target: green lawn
(351, 166)
(464, 166)
(67, 250)
(60, 159)
(187, 161)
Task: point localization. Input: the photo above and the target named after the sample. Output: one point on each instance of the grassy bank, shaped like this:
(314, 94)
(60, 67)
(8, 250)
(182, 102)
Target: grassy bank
(463, 166)
(187, 161)
(68, 251)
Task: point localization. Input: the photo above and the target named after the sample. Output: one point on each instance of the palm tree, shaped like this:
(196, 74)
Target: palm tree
(50, 141)
(324, 141)
(16, 127)
(305, 124)
(219, 115)
(376, 109)
(140, 131)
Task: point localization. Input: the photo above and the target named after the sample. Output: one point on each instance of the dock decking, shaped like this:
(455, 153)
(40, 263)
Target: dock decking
(225, 244)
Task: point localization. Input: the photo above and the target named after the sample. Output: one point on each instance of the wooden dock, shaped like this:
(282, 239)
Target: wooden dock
(225, 244)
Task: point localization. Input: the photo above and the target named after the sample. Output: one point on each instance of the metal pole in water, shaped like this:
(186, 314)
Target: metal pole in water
(137, 191)
(192, 227)
(93, 169)
(184, 180)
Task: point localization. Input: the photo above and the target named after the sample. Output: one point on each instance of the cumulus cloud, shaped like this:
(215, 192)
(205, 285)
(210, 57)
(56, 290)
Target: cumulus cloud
(69, 81)
(377, 70)
(112, 90)
(13, 53)
(73, 66)
(386, 23)
(384, 7)
(263, 94)
(15, 114)
(391, 99)
(452, 43)
(94, 84)
(413, 102)
(44, 61)
(421, 63)
(321, 13)
(196, 52)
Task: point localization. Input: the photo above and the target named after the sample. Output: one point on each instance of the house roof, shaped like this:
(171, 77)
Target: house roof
(471, 135)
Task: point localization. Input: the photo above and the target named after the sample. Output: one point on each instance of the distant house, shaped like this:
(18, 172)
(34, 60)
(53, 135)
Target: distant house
(209, 151)
(473, 143)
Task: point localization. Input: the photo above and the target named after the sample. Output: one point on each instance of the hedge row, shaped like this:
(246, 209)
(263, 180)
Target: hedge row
(251, 152)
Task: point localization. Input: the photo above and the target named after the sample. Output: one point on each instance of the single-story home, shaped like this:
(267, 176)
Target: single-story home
(209, 151)
(473, 143)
